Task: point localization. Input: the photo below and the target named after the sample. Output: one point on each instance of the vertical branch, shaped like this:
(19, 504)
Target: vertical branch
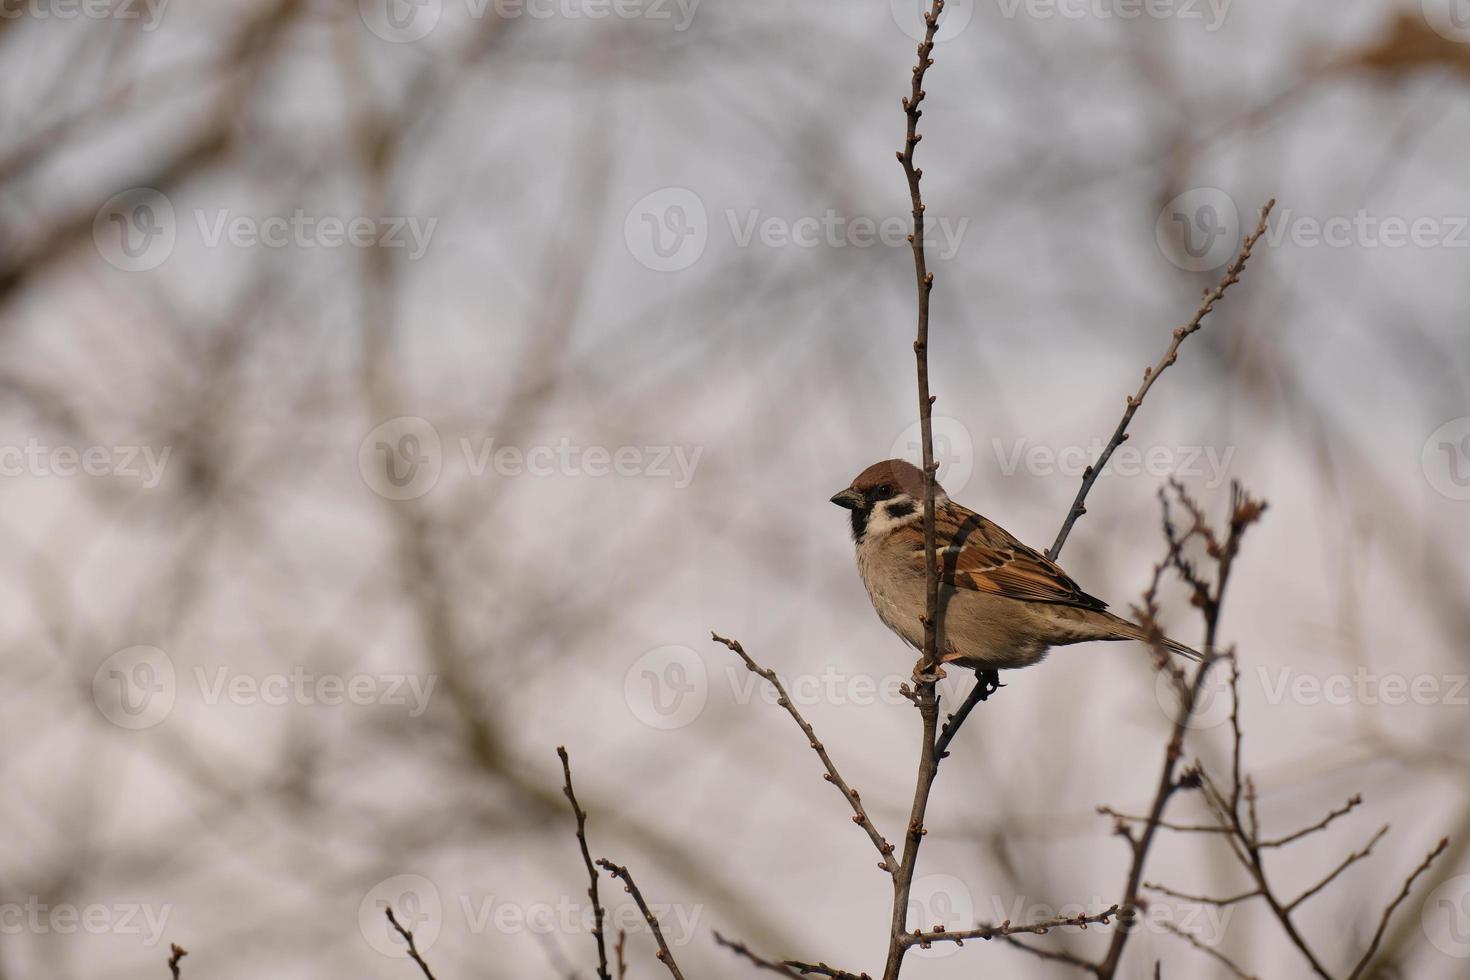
(925, 698)
(924, 281)
(1244, 511)
(597, 910)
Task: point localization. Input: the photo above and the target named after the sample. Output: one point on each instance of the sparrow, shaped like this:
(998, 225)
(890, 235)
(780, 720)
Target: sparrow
(1002, 605)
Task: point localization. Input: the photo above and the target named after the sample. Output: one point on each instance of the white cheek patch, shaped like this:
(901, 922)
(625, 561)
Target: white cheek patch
(882, 521)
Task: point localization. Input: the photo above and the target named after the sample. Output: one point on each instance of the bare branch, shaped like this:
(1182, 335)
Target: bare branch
(1355, 801)
(665, 957)
(1347, 862)
(597, 910)
(1204, 899)
(1054, 955)
(859, 815)
(1388, 912)
(1207, 950)
(743, 951)
(1151, 374)
(1007, 928)
(413, 951)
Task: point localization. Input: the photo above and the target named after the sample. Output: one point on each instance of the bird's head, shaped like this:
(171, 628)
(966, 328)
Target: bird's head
(884, 496)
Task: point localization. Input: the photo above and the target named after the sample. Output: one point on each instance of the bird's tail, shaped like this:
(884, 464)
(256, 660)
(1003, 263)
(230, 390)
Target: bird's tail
(1132, 631)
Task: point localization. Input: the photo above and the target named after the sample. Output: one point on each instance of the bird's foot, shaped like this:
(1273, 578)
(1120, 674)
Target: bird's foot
(932, 676)
(988, 682)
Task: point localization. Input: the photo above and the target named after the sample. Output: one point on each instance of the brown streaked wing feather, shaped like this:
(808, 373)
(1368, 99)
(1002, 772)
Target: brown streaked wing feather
(989, 559)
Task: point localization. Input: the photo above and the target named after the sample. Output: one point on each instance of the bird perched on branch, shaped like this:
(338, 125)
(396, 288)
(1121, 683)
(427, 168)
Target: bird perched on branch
(1002, 605)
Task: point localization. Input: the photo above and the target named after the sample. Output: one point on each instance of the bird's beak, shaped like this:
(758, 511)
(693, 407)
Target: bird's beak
(848, 498)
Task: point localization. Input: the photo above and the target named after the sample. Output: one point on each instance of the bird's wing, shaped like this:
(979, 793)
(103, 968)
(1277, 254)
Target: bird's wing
(980, 555)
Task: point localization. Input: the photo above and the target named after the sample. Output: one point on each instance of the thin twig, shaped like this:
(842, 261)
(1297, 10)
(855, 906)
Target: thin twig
(760, 962)
(1319, 825)
(1054, 955)
(1178, 827)
(413, 951)
(176, 953)
(1151, 374)
(859, 815)
(1208, 950)
(665, 957)
(1347, 862)
(1388, 912)
(618, 953)
(597, 910)
(1007, 928)
(823, 970)
(1202, 899)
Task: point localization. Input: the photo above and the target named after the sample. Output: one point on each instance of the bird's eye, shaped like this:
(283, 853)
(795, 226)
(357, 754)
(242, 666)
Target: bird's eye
(885, 491)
